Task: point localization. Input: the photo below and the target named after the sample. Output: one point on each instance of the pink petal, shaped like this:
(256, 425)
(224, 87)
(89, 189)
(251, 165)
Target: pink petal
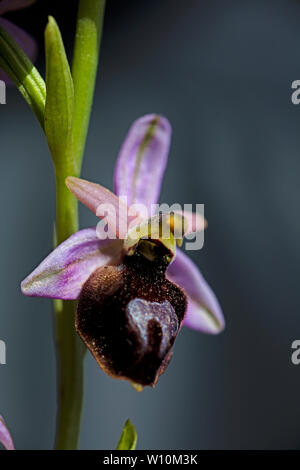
(103, 203)
(204, 312)
(5, 437)
(62, 274)
(10, 5)
(24, 40)
(142, 161)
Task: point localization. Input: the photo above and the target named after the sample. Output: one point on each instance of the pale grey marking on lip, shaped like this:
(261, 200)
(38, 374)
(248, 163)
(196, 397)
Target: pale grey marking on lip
(141, 311)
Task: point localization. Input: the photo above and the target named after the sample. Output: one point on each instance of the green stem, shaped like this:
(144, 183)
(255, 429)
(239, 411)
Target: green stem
(70, 349)
(84, 69)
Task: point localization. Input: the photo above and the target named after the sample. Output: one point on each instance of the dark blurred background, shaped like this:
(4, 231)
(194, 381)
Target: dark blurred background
(221, 71)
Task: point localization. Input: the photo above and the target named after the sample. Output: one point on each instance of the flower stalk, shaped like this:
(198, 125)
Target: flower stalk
(67, 146)
(69, 348)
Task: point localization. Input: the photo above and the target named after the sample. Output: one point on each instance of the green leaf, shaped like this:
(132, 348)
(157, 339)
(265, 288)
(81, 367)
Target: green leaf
(128, 437)
(20, 69)
(59, 101)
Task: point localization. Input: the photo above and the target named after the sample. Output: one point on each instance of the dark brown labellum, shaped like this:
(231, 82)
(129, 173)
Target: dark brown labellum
(129, 316)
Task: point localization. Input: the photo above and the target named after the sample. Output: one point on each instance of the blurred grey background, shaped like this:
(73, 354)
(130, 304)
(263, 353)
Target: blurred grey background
(221, 71)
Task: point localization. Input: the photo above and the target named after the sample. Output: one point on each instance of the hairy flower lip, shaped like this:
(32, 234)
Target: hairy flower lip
(129, 316)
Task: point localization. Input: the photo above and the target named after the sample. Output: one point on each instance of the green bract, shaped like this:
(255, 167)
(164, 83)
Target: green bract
(60, 98)
(128, 437)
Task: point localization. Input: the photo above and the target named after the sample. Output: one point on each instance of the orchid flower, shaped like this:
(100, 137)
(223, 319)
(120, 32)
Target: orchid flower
(24, 40)
(5, 437)
(135, 290)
